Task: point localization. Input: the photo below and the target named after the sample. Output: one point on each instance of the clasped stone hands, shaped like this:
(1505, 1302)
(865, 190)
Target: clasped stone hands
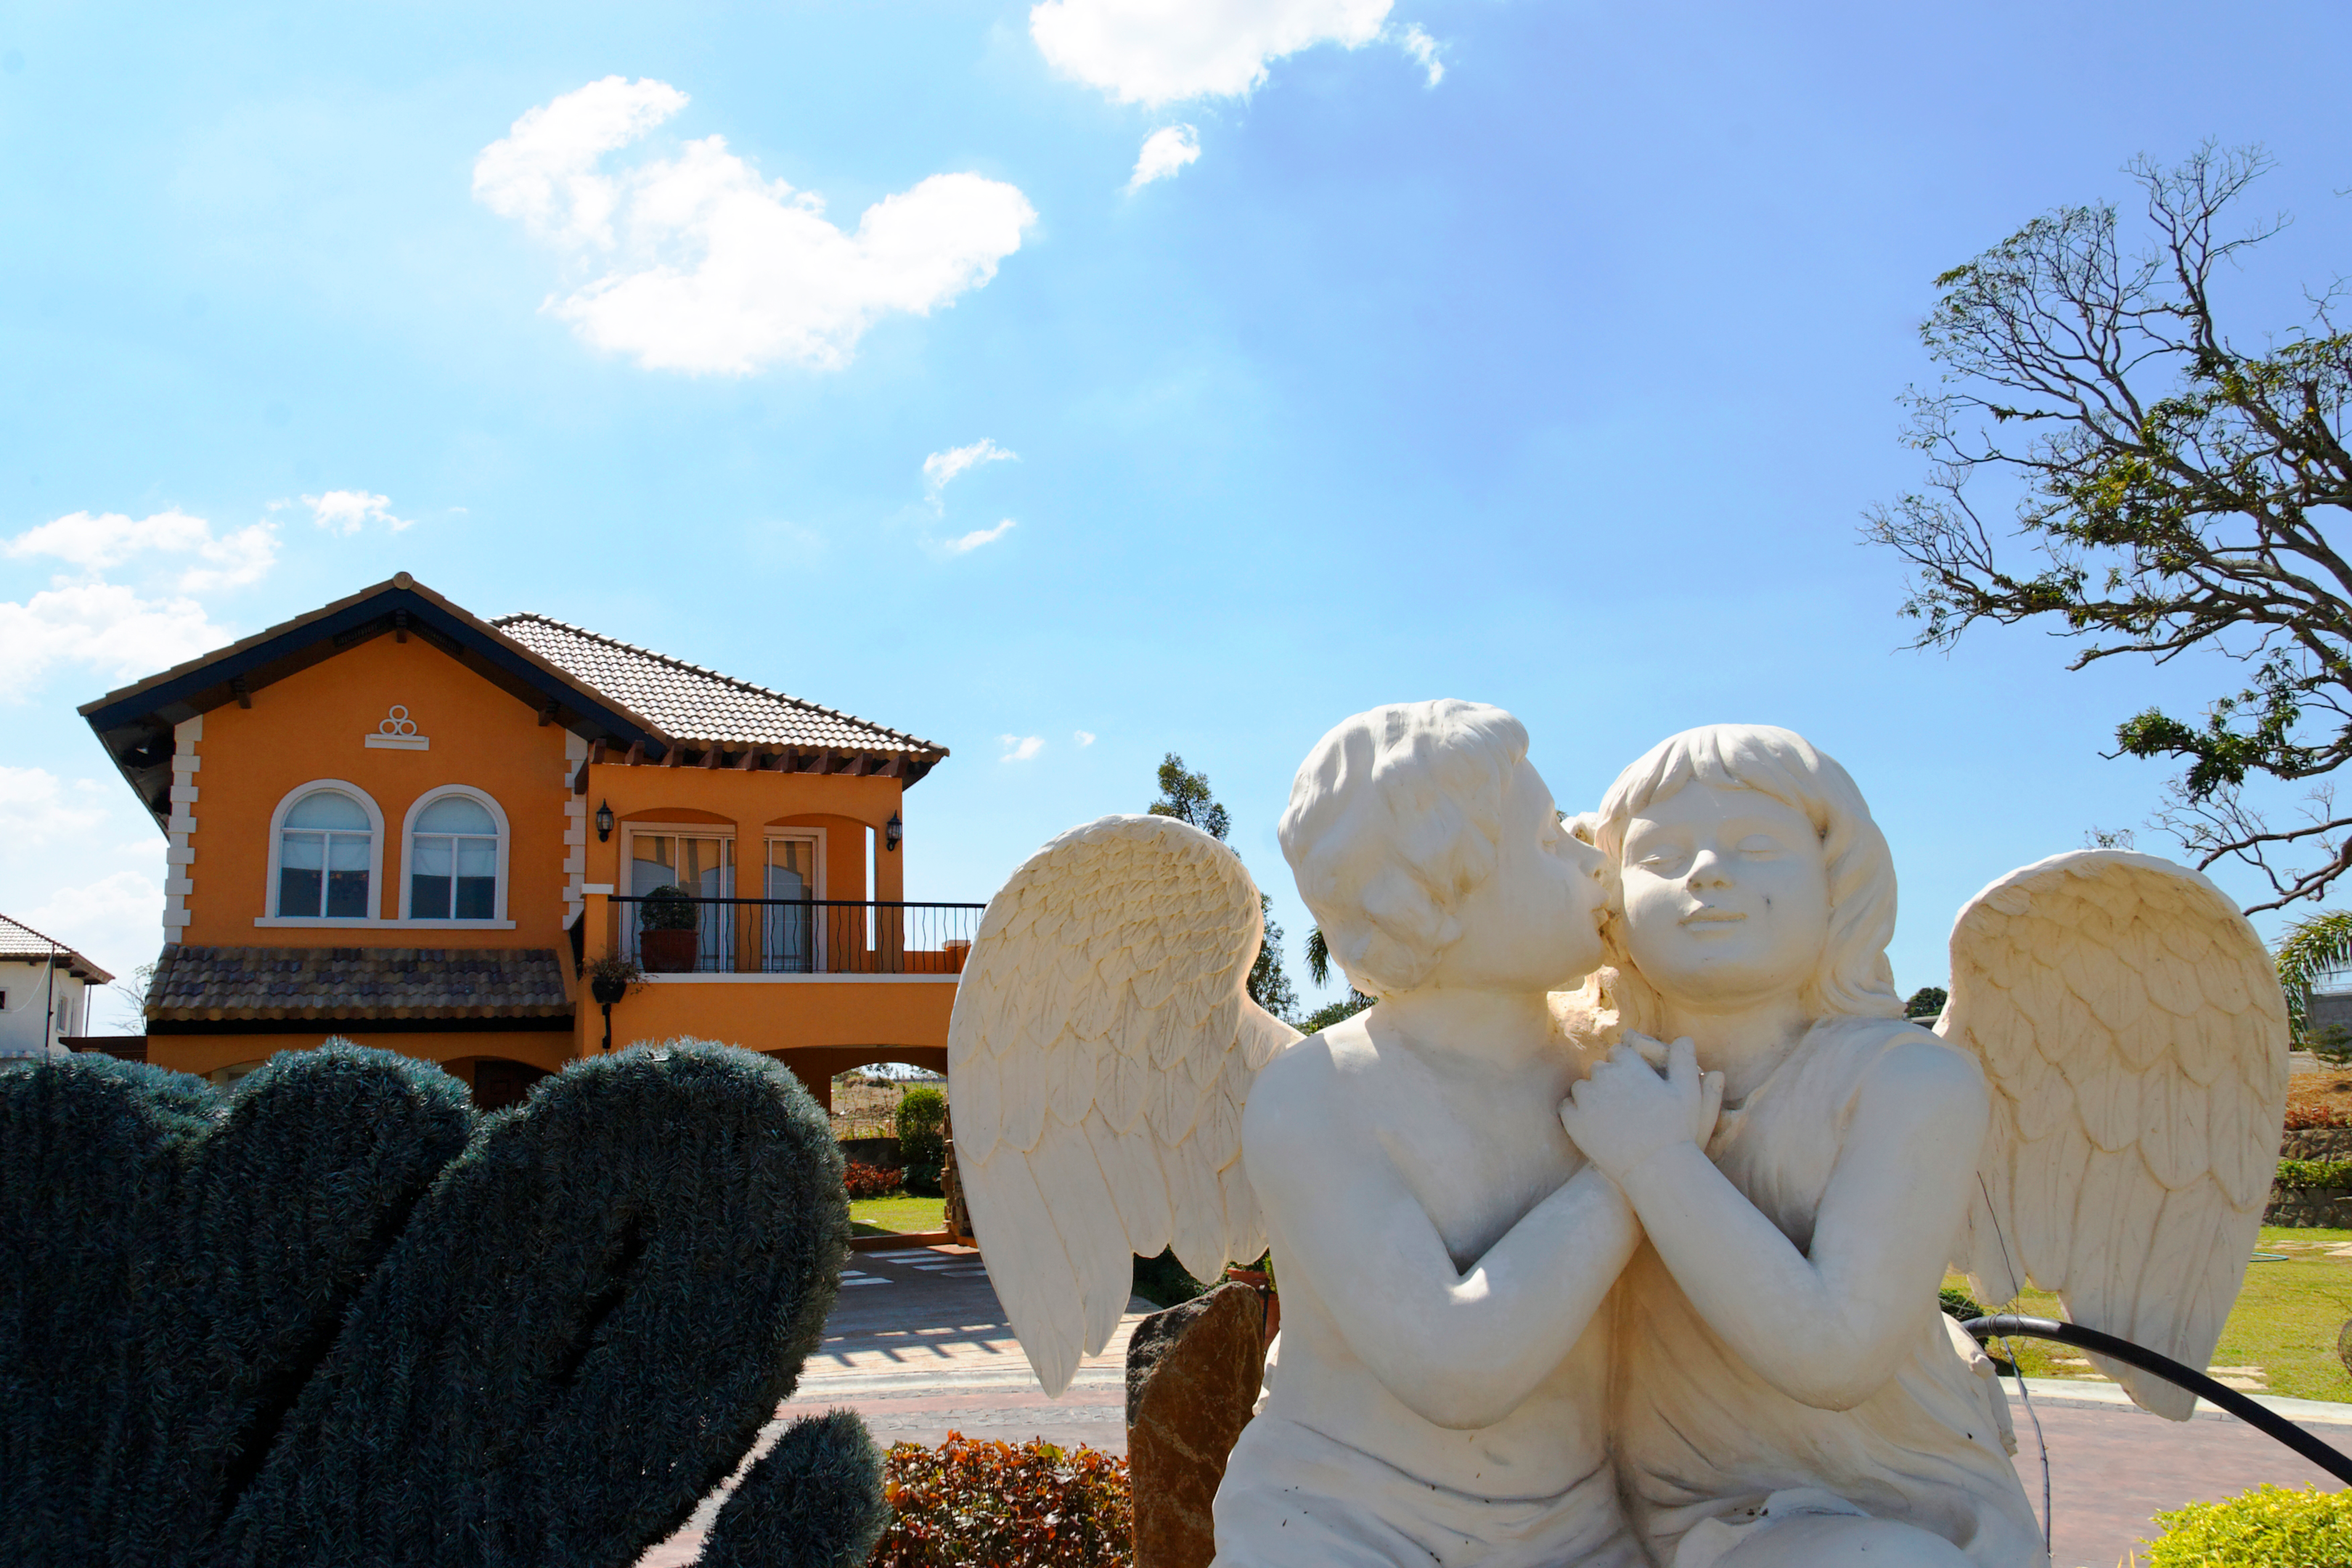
(1627, 1112)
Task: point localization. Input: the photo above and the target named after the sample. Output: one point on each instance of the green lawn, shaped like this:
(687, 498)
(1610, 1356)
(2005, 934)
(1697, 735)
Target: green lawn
(2285, 1324)
(901, 1216)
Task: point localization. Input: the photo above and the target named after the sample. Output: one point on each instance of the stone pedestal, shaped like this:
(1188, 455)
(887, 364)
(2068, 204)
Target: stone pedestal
(1193, 1374)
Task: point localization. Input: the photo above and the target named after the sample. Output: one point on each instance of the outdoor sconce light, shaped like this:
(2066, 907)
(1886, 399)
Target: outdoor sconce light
(604, 820)
(893, 831)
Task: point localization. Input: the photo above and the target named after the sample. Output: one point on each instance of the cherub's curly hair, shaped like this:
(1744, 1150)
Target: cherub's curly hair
(1853, 979)
(1394, 817)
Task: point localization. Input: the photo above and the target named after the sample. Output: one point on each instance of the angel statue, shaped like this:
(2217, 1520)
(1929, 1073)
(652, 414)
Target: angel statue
(1456, 1179)
(2096, 1112)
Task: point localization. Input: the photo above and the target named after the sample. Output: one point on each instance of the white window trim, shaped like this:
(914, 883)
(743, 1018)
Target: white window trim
(373, 925)
(497, 920)
(278, 845)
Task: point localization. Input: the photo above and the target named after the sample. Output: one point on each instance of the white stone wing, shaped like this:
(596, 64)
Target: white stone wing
(2132, 1029)
(1102, 1046)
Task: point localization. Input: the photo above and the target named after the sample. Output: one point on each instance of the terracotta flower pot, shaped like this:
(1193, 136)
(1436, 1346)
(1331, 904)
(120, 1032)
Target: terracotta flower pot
(669, 952)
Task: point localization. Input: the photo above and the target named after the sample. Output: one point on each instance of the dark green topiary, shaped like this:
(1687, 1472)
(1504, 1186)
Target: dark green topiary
(919, 1122)
(212, 1245)
(580, 1333)
(667, 908)
(85, 1151)
(814, 1500)
(281, 1325)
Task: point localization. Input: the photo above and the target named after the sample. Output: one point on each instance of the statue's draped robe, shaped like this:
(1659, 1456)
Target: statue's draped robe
(1700, 1435)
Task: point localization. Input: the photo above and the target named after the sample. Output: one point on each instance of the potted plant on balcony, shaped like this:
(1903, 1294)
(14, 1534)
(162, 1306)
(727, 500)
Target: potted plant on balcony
(668, 936)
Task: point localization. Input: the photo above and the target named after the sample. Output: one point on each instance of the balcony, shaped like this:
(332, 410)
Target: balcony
(796, 936)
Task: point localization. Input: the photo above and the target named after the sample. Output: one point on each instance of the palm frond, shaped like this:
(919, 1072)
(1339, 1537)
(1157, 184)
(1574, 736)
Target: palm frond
(2310, 951)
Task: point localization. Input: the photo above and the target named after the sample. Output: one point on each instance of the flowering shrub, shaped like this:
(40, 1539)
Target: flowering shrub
(2307, 1114)
(973, 1502)
(870, 1181)
(2266, 1527)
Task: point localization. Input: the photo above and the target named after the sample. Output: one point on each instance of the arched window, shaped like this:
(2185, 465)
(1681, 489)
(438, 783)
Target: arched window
(454, 857)
(326, 853)
(453, 861)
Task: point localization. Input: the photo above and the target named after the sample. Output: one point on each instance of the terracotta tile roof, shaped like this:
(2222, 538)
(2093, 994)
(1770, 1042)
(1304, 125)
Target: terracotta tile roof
(18, 939)
(698, 705)
(196, 984)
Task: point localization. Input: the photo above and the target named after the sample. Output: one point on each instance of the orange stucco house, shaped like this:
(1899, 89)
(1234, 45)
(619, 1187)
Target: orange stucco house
(394, 822)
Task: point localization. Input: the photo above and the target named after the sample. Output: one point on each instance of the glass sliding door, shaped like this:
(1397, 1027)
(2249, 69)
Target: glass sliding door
(701, 865)
(790, 937)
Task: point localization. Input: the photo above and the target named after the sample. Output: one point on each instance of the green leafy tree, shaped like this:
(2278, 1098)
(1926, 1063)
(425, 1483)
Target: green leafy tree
(1185, 796)
(1926, 1002)
(2172, 492)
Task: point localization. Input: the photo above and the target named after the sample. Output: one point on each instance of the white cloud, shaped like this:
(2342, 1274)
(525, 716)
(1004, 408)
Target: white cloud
(348, 512)
(1165, 150)
(103, 624)
(704, 267)
(940, 468)
(544, 173)
(117, 921)
(36, 807)
(978, 537)
(111, 539)
(1158, 51)
(1021, 748)
(1416, 41)
(1083, 737)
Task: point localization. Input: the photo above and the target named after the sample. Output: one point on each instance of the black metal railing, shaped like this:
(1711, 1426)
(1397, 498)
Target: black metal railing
(797, 936)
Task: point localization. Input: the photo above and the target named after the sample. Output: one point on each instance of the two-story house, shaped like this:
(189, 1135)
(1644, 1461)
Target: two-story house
(392, 821)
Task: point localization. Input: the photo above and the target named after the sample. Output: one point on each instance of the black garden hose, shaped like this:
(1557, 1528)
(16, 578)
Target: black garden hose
(2265, 1421)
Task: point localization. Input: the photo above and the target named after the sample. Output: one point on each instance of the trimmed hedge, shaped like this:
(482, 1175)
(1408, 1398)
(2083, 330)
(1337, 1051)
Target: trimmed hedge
(2315, 1172)
(969, 1502)
(870, 1181)
(2266, 1527)
(920, 1121)
(545, 1351)
(814, 1500)
(186, 1258)
(583, 1328)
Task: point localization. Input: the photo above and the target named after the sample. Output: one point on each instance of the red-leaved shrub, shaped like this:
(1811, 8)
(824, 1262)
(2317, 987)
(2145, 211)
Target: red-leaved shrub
(870, 1181)
(971, 1503)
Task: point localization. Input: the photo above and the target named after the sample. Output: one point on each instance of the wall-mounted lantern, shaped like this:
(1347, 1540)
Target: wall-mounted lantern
(604, 820)
(893, 831)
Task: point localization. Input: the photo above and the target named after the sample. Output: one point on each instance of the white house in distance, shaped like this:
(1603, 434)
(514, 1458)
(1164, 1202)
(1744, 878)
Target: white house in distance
(45, 989)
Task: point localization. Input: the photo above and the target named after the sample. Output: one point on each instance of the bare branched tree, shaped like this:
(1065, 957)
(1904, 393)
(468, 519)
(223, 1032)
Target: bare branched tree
(2175, 492)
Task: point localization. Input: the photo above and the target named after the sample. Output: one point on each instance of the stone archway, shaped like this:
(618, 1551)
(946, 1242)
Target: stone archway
(817, 1066)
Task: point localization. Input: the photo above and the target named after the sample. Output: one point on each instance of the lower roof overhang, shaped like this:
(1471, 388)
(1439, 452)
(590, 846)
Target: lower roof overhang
(340, 1025)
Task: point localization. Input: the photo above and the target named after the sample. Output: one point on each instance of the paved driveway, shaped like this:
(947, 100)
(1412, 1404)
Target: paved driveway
(917, 1345)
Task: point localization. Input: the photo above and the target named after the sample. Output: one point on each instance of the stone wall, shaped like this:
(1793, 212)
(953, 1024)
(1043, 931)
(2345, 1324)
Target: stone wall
(2316, 1143)
(2328, 1208)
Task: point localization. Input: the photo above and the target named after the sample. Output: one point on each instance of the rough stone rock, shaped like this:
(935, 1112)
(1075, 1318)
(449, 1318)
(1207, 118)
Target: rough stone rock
(1193, 1374)
(2316, 1143)
(2326, 1207)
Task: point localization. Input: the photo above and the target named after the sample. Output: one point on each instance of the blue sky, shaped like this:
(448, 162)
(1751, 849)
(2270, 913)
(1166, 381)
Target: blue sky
(1541, 353)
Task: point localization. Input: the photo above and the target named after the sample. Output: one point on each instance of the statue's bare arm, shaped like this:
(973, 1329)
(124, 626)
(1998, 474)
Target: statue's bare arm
(1460, 1350)
(1829, 1326)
